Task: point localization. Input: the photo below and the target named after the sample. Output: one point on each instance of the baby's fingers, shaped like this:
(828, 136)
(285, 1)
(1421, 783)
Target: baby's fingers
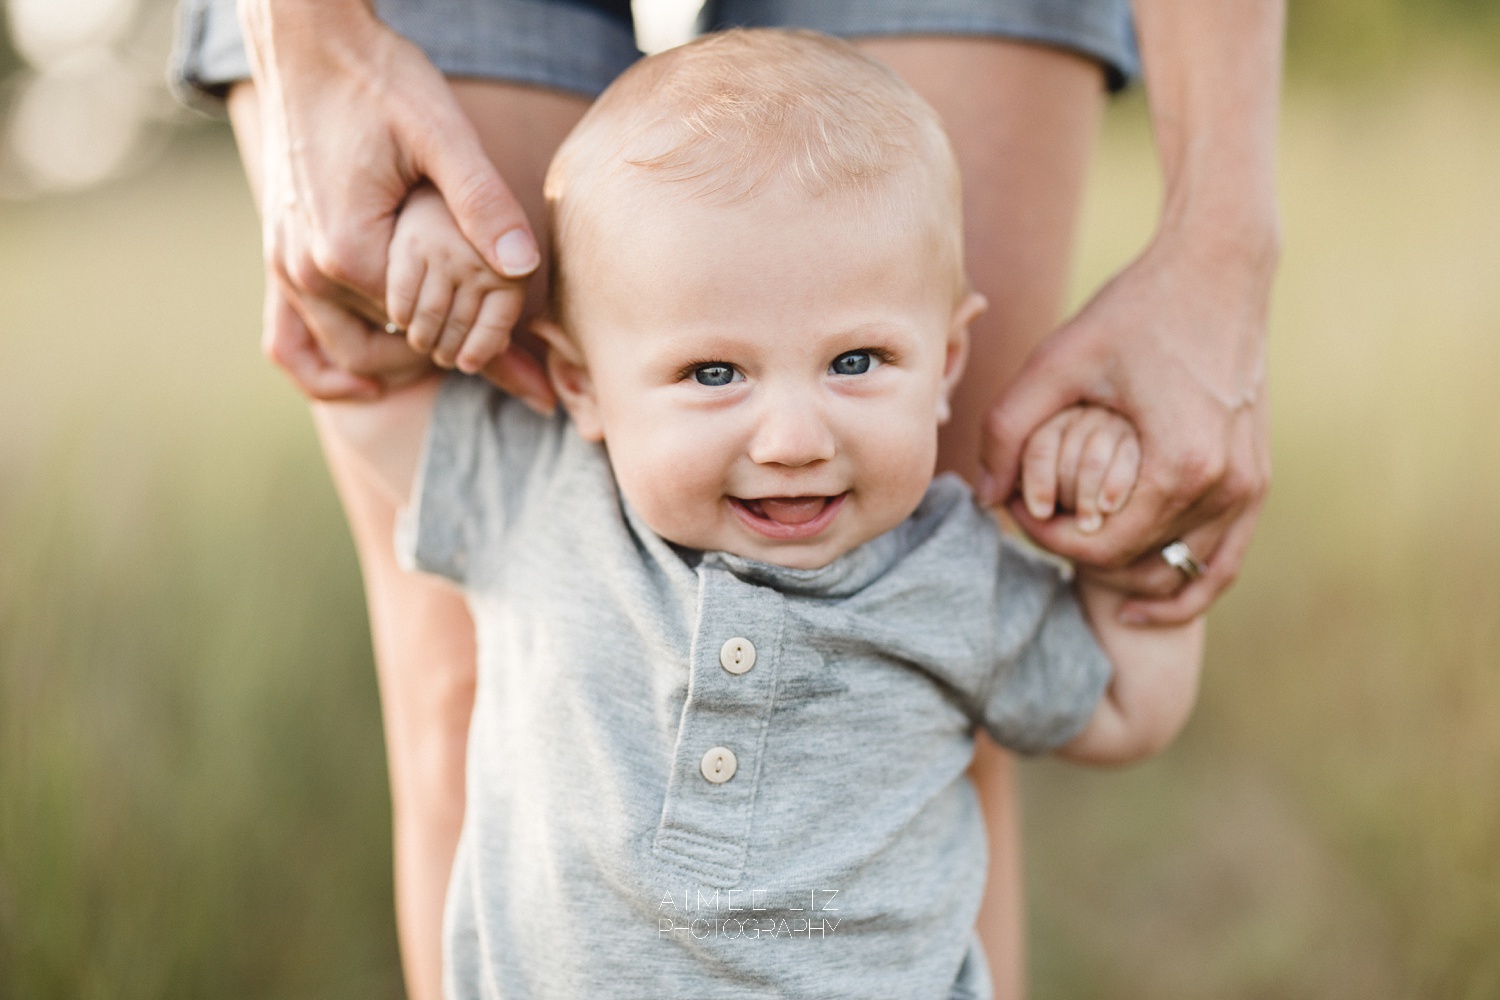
(491, 332)
(461, 316)
(1094, 461)
(1119, 480)
(431, 312)
(403, 281)
(1039, 465)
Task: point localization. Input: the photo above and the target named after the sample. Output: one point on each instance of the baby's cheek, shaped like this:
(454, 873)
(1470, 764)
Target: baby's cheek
(671, 483)
(896, 467)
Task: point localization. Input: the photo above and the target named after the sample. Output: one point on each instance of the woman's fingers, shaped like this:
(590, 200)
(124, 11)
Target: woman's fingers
(521, 375)
(289, 344)
(1194, 597)
(445, 147)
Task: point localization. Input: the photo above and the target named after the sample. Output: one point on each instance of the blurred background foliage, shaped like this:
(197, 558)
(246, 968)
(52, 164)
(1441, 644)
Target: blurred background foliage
(193, 798)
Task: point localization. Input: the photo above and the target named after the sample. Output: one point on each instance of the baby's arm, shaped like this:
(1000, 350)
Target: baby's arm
(1085, 461)
(441, 292)
(1151, 689)
(385, 435)
(446, 299)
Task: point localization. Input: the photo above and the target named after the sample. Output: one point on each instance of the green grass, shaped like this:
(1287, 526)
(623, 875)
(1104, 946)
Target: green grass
(193, 798)
(1328, 827)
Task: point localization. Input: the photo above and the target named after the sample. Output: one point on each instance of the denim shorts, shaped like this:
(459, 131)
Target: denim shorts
(581, 45)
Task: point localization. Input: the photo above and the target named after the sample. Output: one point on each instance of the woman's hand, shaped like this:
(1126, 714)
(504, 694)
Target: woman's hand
(1175, 343)
(352, 116)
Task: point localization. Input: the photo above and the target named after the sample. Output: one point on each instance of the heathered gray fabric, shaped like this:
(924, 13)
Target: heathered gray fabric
(846, 857)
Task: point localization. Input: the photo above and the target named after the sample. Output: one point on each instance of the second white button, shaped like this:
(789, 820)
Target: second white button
(718, 765)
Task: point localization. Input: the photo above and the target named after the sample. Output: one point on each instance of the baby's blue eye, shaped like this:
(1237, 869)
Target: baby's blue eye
(852, 363)
(715, 375)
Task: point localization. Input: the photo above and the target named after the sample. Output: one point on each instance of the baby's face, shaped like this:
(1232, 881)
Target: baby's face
(768, 377)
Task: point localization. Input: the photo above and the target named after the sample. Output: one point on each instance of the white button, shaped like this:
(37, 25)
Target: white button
(737, 655)
(718, 765)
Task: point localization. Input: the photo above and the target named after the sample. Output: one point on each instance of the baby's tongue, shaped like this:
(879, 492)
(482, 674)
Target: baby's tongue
(791, 510)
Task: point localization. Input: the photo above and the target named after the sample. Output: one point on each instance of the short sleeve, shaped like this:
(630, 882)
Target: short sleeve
(1051, 672)
(480, 461)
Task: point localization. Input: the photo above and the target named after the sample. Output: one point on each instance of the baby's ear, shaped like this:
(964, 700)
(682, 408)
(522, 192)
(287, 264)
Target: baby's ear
(969, 308)
(570, 377)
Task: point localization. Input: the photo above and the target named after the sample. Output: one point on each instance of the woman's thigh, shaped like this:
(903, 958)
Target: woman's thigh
(423, 635)
(1023, 119)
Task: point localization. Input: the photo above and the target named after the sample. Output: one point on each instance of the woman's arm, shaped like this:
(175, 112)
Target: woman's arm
(1177, 341)
(423, 635)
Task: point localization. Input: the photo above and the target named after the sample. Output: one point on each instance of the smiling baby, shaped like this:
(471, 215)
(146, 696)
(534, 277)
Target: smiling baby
(734, 638)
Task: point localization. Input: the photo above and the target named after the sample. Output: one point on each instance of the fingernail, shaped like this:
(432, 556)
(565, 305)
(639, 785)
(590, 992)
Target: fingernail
(1133, 618)
(1090, 523)
(1038, 510)
(537, 406)
(517, 253)
(986, 492)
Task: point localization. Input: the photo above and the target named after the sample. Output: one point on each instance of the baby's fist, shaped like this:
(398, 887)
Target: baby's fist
(1084, 460)
(442, 293)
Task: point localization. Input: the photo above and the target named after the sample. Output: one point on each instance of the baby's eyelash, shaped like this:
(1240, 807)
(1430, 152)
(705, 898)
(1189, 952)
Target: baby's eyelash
(686, 371)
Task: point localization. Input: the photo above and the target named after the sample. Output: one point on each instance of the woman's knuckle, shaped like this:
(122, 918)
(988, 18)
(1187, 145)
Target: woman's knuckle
(1197, 469)
(339, 254)
(302, 270)
(478, 196)
(1002, 426)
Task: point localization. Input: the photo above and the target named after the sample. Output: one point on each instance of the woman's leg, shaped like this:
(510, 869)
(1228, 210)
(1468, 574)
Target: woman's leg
(1023, 119)
(423, 636)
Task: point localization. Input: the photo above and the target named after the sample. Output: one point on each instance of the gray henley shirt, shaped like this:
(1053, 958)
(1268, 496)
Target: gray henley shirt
(695, 775)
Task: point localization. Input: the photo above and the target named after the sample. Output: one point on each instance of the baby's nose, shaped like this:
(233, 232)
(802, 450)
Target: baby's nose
(792, 435)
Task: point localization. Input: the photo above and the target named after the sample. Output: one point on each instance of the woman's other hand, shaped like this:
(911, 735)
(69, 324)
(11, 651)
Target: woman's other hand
(351, 118)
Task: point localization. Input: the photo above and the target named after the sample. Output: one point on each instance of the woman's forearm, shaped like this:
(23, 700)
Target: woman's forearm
(1212, 73)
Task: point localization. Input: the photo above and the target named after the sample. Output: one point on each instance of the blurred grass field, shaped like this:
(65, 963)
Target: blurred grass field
(192, 784)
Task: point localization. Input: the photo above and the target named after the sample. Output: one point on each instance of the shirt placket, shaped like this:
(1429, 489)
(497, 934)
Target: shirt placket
(716, 764)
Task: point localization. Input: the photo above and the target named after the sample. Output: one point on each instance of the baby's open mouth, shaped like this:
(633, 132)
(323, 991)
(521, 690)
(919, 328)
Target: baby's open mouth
(788, 517)
(787, 510)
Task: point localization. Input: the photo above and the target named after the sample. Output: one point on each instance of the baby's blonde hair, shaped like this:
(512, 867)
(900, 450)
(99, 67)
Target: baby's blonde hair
(734, 114)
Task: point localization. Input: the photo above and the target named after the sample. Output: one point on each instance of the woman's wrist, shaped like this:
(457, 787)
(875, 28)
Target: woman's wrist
(1241, 246)
(312, 37)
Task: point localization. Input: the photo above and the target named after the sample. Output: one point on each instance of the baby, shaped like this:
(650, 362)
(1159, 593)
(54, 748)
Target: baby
(734, 638)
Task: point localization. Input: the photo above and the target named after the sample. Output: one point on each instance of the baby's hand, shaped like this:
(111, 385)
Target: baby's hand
(1085, 461)
(440, 291)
